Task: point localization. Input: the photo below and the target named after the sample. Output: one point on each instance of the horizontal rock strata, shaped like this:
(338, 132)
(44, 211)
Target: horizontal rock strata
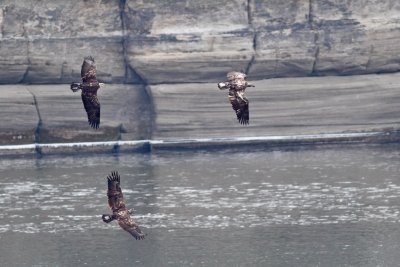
(53, 113)
(278, 107)
(135, 41)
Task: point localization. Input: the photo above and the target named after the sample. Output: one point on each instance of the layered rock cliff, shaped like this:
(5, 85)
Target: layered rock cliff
(137, 41)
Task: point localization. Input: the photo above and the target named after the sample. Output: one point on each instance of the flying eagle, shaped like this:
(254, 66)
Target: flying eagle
(89, 87)
(117, 205)
(237, 85)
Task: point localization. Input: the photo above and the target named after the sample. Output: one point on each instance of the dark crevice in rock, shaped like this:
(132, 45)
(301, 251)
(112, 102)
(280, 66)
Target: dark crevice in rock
(249, 12)
(316, 55)
(2, 14)
(371, 51)
(312, 26)
(122, 4)
(150, 110)
(38, 126)
(24, 78)
(250, 64)
(251, 26)
(310, 14)
(134, 76)
(313, 70)
(64, 64)
(131, 75)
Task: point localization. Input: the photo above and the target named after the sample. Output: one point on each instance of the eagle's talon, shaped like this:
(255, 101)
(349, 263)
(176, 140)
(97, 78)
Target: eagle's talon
(107, 218)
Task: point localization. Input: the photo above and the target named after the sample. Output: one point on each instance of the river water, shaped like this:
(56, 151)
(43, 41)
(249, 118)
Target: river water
(319, 206)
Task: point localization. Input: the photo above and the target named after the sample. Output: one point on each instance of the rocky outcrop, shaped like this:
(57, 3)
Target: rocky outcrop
(187, 41)
(45, 41)
(136, 41)
(282, 106)
(51, 114)
(54, 114)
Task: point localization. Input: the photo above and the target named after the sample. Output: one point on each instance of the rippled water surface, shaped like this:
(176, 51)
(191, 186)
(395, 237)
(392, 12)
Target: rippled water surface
(327, 206)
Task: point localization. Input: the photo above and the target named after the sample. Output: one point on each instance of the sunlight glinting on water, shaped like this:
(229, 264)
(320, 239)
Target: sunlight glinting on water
(241, 205)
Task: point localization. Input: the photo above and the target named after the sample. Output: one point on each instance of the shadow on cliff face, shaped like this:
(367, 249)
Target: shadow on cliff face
(126, 114)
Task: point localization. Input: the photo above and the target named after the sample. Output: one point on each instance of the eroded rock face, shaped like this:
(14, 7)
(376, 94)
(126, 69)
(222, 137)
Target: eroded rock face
(357, 36)
(45, 41)
(137, 41)
(181, 41)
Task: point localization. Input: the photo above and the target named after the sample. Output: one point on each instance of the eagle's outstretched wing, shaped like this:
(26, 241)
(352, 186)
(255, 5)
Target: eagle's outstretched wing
(132, 228)
(116, 203)
(241, 108)
(89, 87)
(92, 107)
(88, 70)
(114, 193)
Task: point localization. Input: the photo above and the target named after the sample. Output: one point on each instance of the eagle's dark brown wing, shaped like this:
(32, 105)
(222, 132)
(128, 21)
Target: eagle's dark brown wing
(92, 107)
(114, 193)
(88, 70)
(132, 228)
(241, 109)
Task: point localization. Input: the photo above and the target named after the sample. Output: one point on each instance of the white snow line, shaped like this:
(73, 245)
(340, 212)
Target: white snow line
(313, 137)
(76, 144)
(310, 138)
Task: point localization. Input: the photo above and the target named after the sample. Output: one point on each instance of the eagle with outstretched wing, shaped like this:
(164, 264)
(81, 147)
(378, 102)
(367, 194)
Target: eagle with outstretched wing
(89, 87)
(117, 205)
(237, 85)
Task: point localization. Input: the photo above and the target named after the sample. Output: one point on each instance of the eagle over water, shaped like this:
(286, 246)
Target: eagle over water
(237, 84)
(89, 87)
(117, 205)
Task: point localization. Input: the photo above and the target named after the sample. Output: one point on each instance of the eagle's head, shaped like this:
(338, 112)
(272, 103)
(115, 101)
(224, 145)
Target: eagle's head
(89, 59)
(234, 75)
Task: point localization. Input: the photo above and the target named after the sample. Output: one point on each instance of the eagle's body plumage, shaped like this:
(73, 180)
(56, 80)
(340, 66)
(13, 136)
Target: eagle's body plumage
(237, 85)
(117, 205)
(89, 87)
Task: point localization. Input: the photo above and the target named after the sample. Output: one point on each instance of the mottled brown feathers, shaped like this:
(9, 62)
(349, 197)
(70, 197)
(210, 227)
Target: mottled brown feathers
(89, 87)
(114, 193)
(237, 84)
(88, 70)
(117, 205)
(241, 108)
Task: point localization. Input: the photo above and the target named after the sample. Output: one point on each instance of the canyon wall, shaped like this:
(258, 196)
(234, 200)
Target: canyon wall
(153, 41)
